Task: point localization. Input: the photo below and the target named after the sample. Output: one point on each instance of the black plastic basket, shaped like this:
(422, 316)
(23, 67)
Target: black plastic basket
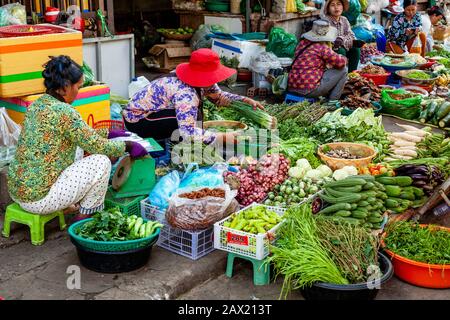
(114, 262)
(359, 291)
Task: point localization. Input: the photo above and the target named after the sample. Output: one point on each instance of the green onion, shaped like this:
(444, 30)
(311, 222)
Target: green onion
(258, 116)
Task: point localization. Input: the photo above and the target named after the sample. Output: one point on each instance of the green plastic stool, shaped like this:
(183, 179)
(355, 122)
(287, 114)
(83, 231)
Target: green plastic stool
(36, 222)
(261, 270)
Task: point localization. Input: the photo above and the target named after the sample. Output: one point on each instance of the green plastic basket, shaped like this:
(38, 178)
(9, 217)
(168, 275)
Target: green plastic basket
(110, 246)
(128, 206)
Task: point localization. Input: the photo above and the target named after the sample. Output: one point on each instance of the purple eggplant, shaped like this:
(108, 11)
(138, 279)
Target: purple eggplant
(420, 177)
(419, 183)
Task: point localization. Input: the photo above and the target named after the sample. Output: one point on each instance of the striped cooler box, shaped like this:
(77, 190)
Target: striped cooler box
(22, 59)
(93, 103)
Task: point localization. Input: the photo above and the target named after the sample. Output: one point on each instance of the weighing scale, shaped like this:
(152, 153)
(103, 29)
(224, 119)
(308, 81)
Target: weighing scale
(131, 178)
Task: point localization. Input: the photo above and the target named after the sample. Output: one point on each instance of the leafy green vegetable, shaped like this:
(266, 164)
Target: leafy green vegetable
(427, 245)
(298, 148)
(420, 75)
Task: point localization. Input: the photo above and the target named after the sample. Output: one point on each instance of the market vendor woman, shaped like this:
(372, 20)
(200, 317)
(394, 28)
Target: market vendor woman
(406, 31)
(44, 176)
(174, 101)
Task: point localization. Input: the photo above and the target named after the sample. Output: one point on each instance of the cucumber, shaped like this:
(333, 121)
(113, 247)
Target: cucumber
(418, 192)
(353, 189)
(407, 195)
(393, 191)
(432, 108)
(346, 199)
(366, 177)
(370, 194)
(375, 220)
(369, 186)
(445, 122)
(391, 203)
(362, 209)
(363, 203)
(380, 186)
(358, 214)
(354, 205)
(376, 226)
(343, 213)
(423, 115)
(348, 182)
(443, 110)
(336, 207)
(402, 181)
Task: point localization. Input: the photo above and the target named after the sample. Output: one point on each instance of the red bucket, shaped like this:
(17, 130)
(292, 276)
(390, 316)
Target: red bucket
(378, 79)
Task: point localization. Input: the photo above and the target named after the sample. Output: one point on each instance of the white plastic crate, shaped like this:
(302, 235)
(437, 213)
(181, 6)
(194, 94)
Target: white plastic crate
(255, 246)
(190, 244)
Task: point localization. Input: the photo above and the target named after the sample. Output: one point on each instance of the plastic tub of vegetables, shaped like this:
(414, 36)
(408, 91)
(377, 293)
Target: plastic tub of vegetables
(419, 253)
(417, 77)
(340, 154)
(111, 242)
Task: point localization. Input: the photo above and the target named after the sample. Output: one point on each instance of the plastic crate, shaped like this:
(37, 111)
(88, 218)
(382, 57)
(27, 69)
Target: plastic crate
(191, 244)
(255, 246)
(127, 206)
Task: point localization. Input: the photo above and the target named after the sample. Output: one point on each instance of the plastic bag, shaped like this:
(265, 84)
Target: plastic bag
(364, 4)
(164, 189)
(353, 11)
(201, 38)
(209, 177)
(363, 34)
(291, 6)
(201, 213)
(281, 43)
(416, 46)
(9, 130)
(408, 108)
(264, 62)
(89, 78)
(279, 85)
(12, 14)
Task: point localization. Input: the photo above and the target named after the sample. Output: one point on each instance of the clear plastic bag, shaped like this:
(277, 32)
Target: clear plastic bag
(201, 38)
(202, 213)
(9, 130)
(89, 78)
(164, 189)
(12, 14)
(264, 62)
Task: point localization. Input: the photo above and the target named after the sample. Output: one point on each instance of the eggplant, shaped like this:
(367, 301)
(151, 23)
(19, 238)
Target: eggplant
(418, 170)
(419, 183)
(420, 177)
(428, 189)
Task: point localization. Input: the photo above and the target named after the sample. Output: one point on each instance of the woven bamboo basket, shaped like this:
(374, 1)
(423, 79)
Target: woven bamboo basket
(367, 153)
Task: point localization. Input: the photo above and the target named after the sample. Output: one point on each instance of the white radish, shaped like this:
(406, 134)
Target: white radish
(400, 157)
(403, 143)
(417, 133)
(408, 127)
(389, 159)
(406, 136)
(406, 152)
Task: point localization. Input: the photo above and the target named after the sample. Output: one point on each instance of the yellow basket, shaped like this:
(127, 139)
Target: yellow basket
(359, 149)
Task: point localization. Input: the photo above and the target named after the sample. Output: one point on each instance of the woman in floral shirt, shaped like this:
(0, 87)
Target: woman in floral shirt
(172, 102)
(318, 71)
(405, 30)
(44, 176)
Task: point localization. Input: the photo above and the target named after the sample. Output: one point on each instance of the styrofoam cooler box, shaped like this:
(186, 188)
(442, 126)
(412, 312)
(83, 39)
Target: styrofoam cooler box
(22, 59)
(93, 103)
(247, 244)
(190, 244)
(243, 50)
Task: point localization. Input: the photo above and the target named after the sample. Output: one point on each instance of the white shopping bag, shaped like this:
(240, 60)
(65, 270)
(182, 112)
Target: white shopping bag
(9, 130)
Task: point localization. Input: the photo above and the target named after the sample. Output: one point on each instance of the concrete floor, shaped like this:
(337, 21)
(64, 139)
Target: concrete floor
(29, 272)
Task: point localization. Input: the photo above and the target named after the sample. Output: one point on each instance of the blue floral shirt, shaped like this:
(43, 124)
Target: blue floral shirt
(397, 32)
(172, 93)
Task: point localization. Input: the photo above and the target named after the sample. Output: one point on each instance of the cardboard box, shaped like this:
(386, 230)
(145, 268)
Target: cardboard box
(168, 56)
(93, 103)
(22, 59)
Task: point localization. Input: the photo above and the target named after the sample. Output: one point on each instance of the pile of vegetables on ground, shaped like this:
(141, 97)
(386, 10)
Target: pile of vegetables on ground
(112, 225)
(314, 249)
(427, 244)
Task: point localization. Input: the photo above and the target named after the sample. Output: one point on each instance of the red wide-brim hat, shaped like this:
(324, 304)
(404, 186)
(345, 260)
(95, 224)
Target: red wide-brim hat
(203, 69)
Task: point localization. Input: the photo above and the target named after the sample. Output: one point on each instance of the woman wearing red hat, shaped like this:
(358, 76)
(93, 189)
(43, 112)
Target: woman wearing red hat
(172, 102)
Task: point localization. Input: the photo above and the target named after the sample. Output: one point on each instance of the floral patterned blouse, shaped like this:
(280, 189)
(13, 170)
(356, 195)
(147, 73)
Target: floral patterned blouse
(172, 93)
(51, 132)
(397, 32)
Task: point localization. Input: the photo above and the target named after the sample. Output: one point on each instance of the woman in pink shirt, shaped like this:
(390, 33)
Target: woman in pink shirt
(318, 71)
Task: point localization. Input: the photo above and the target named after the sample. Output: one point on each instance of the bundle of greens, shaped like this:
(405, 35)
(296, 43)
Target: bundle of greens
(423, 244)
(434, 145)
(314, 249)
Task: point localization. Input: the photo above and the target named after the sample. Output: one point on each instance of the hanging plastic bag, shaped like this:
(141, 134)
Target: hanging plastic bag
(164, 189)
(12, 14)
(195, 177)
(291, 6)
(279, 85)
(353, 12)
(200, 212)
(281, 43)
(416, 46)
(9, 130)
(407, 108)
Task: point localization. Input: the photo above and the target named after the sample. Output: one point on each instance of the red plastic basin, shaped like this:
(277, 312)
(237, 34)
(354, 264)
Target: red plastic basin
(378, 79)
(419, 273)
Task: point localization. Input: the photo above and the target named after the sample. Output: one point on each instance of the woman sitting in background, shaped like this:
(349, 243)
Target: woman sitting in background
(318, 71)
(405, 30)
(432, 21)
